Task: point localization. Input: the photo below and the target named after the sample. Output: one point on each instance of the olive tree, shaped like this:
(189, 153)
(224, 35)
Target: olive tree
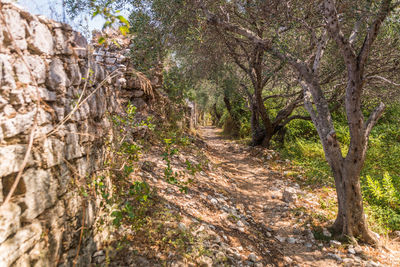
(346, 169)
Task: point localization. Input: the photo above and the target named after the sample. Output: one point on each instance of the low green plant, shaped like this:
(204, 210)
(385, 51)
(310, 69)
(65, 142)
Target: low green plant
(133, 210)
(193, 168)
(124, 200)
(171, 176)
(383, 195)
(380, 177)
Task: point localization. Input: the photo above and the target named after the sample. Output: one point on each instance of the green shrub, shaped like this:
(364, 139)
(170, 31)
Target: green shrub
(383, 195)
(380, 177)
(301, 129)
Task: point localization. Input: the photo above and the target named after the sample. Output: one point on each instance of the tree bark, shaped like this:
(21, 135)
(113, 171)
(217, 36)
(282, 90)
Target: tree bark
(346, 171)
(217, 115)
(350, 221)
(235, 120)
(268, 129)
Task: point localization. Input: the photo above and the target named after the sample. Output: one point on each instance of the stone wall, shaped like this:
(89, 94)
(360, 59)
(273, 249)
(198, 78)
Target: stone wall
(46, 60)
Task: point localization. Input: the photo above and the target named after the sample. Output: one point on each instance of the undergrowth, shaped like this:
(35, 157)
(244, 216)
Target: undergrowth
(125, 198)
(129, 206)
(380, 177)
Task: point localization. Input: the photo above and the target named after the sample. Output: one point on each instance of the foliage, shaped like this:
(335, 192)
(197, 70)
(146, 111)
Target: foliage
(123, 198)
(176, 85)
(380, 178)
(148, 42)
(223, 69)
(173, 177)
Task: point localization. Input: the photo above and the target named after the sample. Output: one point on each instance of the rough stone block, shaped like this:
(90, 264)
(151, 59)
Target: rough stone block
(22, 71)
(73, 204)
(11, 158)
(40, 133)
(21, 242)
(44, 94)
(111, 60)
(24, 261)
(64, 176)
(17, 27)
(53, 152)
(3, 102)
(73, 149)
(63, 45)
(41, 192)
(99, 73)
(75, 74)
(80, 43)
(60, 112)
(17, 125)
(41, 40)
(2, 46)
(57, 77)
(8, 112)
(6, 73)
(85, 129)
(84, 111)
(44, 117)
(9, 220)
(37, 67)
(17, 97)
(121, 59)
(90, 215)
(82, 167)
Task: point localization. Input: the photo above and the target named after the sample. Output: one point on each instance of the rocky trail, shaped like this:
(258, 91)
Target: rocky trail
(242, 209)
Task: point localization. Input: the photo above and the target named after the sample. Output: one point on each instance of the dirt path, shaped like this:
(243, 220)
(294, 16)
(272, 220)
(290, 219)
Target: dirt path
(243, 209)
(256, 189)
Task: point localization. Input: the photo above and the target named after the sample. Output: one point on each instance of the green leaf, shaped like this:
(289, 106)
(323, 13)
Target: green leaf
(95, 13)
(123, 20)
(117, 44)
(101, 40)
(124, 30)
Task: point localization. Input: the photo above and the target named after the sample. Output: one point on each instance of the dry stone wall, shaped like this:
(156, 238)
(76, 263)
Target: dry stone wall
(43, 69)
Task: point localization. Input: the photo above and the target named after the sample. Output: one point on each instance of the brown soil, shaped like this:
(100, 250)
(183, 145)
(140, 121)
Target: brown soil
(245, 184)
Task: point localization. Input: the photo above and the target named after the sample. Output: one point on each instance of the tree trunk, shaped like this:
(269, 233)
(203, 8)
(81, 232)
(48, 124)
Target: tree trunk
(235, 120)
(267, 139)
(350, 220)
(281, 132)
(257, 133)
(217, 115)
(269, 130)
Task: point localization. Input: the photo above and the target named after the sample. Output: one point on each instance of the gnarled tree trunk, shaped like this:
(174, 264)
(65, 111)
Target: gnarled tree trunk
(350, 220)
(257, 133)
(234, 118)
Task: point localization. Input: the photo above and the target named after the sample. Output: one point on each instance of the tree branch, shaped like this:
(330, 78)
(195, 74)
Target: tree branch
(373, 119)
(373, 32)
(295, 117)
(383, 79)
(320, 52)
(265, 44)
(335, 31)
(276, 96)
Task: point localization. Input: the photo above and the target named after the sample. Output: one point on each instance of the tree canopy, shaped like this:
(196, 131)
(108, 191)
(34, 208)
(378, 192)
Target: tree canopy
(256, 66)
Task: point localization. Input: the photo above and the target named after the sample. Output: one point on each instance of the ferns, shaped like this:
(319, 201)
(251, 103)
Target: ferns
(383, 191)
(374, 188)
(384, 198)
